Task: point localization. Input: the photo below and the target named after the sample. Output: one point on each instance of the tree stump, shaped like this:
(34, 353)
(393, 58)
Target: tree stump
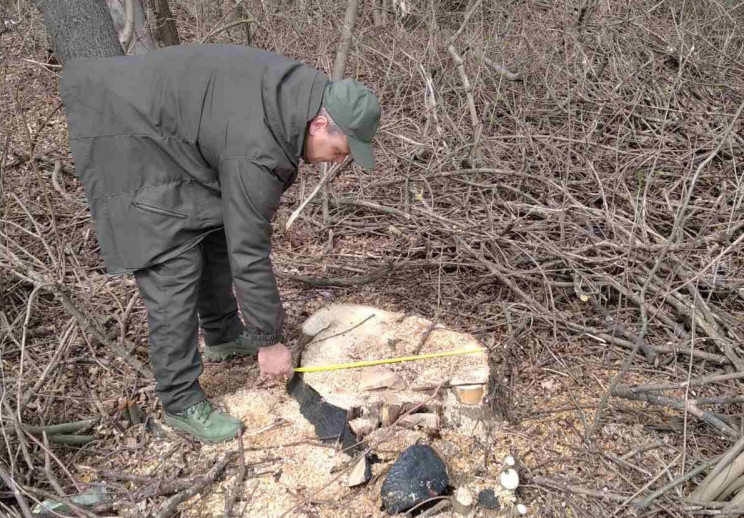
(349, 333)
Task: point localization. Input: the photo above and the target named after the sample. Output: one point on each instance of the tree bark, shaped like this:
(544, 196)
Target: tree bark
(79, 28)
(164, 25)
(153, 25)
(345, 44)
(140, 40)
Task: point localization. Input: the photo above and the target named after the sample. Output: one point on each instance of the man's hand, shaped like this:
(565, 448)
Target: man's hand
(275, 361)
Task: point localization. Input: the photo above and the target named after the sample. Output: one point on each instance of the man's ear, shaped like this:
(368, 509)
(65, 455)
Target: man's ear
(318, 125)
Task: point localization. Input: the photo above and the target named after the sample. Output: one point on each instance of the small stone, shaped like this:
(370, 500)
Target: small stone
(417, 475)
(509, 479)
(488, 499)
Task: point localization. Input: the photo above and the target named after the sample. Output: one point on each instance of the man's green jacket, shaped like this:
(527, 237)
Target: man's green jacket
(179, 142)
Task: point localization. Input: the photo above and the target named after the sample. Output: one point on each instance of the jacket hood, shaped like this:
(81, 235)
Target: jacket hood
(289, 105)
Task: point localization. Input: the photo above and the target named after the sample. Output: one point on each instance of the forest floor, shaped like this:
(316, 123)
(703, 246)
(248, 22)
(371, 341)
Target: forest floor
(581, 214)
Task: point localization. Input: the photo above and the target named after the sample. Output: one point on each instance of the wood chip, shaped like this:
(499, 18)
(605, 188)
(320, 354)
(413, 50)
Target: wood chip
(427, 421)
(469, 394)
(462, 501)
(390, 410)
(383, 378)
(362, 426)
(361, 472)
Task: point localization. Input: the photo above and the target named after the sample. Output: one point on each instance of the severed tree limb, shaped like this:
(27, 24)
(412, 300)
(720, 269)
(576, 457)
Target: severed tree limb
(370, 205)
(64, 428)
(337, 281)
(215, 32)
(58, 187)
(48, 469)
(505, 73)
(678, 404)
(11, 484)
(679, 219)
(733, 487)
(697, 382)
(580, 490)
(64, 344)
(465, 21)
(170, 507)
(232, 493)
(677, 481)
(460, 65)
(25, 272)
(709, 486)
(326, 178)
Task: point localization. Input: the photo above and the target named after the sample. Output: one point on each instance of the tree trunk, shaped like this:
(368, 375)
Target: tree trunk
(79, 28)
(345, 44)
(233, 14)
(153, 25)
(164, 26)
(135, 39)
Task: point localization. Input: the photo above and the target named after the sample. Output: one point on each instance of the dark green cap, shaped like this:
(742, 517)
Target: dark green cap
(356, 111)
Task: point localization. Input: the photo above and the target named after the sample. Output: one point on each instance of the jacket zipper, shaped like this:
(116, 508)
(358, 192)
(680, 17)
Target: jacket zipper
(157, 210)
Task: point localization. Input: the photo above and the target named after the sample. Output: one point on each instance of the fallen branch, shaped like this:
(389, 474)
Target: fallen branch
(25, 272)
(713, 484)
(327, 178)
(357, 280)
(505, 73)
(170, 507)
(58, 187)
(11, 484)
(580, 490)
(677, 404)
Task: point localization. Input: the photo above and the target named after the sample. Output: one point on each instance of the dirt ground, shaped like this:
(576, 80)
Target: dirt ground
(582, 220)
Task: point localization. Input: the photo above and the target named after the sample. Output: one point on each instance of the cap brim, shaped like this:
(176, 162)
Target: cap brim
(362, 153)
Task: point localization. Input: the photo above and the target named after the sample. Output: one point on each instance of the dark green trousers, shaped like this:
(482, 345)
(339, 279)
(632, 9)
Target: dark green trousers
(180, 294)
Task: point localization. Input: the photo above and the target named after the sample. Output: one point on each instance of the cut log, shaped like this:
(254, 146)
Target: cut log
(462, 501)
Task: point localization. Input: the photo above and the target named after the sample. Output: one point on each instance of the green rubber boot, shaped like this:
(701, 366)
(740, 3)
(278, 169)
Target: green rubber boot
(205, 423)
(241, 346)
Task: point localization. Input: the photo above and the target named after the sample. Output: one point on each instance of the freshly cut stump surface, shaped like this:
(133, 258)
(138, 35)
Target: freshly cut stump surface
(350, 333)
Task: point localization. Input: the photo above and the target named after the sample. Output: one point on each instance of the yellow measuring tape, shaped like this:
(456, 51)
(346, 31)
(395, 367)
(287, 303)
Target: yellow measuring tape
(369, 363)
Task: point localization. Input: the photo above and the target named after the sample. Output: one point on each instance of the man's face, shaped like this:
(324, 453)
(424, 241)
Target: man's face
(322, 146)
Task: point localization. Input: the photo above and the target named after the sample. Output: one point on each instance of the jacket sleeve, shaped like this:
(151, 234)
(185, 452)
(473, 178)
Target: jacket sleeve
(250, 195)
